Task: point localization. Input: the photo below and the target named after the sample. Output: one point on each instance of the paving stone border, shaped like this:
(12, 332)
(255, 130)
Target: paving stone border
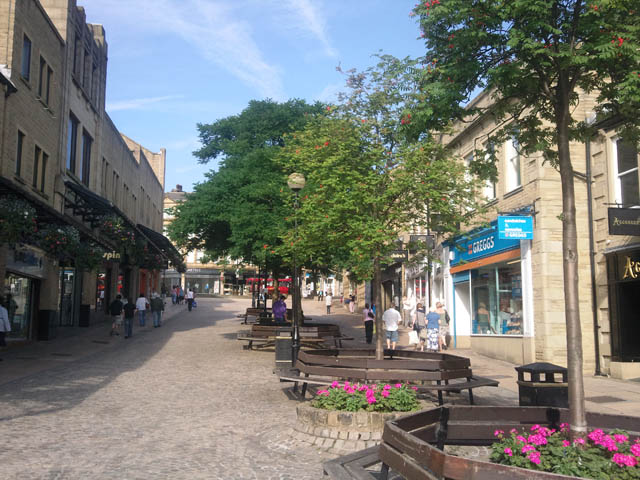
(340, 432)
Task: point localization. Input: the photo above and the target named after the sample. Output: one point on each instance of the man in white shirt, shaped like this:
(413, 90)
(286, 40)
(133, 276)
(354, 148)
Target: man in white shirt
(5, 325)
(327, 300)
(190, 298)
(391, 317)
(141, 306)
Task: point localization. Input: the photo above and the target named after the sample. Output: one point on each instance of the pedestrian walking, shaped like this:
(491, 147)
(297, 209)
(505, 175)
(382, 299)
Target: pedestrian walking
(419, 324)
(129, 309)
(391, 318)
(157, 306)
(180, 295)
(190, 298)
(409, 309)
(433, 330)
(5, 325)
(174, 295)
(368, 317)
(328, 298)
(443, 325)
(141, 305)
(115, 309)
(279, 309)
(352, 303)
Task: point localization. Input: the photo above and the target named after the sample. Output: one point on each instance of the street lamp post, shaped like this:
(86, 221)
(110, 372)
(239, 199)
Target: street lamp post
(296, 182)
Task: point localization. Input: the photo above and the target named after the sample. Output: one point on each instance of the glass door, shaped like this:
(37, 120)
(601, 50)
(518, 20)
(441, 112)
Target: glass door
(18, 292)
(67, 281)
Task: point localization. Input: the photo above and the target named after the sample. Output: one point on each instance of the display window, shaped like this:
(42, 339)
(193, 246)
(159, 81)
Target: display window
(17, 300)
(497, 299)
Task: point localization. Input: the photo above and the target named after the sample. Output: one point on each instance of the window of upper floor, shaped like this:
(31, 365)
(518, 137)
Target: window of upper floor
(25, 67)
(489, 187)
(513, 178)
(87, 143)
(625, 173)
(45, 77)
(40, 161)
(72, 143)
(19, 153)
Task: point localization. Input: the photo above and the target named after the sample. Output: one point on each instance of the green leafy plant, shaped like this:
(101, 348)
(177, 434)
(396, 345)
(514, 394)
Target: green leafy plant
(89, 256)
(17, 219)
(611, 456)
(60, 242)
(353, 397)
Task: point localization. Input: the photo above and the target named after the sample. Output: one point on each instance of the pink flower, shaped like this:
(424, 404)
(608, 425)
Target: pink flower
(520, 438)
(538, 439)
(398, 385)
(534, 457)
(579, 441)
(596, 435)
(635, 449)
(624, 460)
(414, 388)
(335, 384)
(323, 392)
(508, 451)
(566, 443)
(513, 430)
(527, 448)
(371, 399)
(497, 433)
(385, 393)
(535, 428)
(619, 438)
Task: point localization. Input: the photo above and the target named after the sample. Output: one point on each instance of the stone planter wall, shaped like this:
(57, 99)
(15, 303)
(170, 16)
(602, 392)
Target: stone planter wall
(340, 432)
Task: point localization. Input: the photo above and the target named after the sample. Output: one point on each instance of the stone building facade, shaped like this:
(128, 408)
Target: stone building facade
(62, 157)
(506, 297)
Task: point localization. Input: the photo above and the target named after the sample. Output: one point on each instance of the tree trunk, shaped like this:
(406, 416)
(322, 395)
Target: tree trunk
(377, 290)
(577, 416)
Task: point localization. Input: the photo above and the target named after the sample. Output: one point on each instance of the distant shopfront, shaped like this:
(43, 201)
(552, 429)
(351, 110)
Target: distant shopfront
(491, 293)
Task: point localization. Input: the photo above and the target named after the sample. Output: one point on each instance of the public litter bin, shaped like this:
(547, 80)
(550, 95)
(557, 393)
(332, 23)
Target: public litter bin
(543, 384)
(283, 349)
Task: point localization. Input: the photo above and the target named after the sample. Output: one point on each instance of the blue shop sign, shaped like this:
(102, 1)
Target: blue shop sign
(520, 227)
(483, 243)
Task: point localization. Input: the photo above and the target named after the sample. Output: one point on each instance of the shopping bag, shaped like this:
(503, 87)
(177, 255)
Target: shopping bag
(413, 338)
(194, 304)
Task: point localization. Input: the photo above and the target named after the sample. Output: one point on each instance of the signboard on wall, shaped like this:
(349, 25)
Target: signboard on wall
(624, 221)
(520, 227)
(483, 244)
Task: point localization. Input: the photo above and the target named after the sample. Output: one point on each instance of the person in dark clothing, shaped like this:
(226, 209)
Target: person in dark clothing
(368, 317)
(115, 309)
(129, 312)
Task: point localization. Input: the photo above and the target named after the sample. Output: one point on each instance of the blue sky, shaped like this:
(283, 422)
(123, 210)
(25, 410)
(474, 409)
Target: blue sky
(174, 63)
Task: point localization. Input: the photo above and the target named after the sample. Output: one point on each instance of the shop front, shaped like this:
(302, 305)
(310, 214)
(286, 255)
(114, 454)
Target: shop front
(25, 269)
(623, 271)
(491, 294)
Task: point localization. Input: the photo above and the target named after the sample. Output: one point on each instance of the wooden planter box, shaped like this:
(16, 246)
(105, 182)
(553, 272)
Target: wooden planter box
(413, 446)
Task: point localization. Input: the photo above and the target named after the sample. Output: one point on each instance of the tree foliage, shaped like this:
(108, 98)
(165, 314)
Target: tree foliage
(537, 58)
(240, 209)
(368, 179)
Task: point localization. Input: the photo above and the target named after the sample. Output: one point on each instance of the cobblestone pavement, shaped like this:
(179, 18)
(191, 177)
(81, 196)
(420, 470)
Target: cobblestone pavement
(181, 401)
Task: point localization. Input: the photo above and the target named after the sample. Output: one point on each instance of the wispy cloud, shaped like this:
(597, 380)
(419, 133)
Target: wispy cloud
(313, 21)
(139, 103)
(330, 93)
(213, 29)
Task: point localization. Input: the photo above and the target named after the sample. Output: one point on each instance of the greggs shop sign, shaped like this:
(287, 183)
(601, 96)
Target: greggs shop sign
(484, 243)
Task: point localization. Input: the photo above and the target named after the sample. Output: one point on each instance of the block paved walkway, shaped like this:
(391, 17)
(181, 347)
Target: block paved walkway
(185, 401)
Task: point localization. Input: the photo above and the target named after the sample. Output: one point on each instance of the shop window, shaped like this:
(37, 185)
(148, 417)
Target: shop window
(497, 299)
(17, 300)
(626, 173)
(513, 164)
(25, 69)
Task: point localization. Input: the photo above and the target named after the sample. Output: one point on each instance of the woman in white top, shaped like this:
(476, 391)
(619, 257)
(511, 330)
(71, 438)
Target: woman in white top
(328, 299)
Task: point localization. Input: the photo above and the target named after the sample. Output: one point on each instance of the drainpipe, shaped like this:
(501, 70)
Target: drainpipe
(592, 254)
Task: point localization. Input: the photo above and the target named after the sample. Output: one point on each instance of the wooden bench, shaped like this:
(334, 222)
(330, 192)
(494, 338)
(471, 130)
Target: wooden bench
(353, 466)
(457, 386)
(270, 340)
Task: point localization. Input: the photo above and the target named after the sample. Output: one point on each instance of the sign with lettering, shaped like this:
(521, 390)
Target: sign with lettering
(624, 221)
(483, 243)
(520, 227)
(398, 255)
(111, 256)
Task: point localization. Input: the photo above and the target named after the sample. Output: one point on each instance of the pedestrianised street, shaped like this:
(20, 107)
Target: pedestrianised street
(180, 401)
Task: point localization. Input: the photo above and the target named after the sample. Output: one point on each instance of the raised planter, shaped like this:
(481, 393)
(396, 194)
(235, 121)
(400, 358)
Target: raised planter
(415, 446)
(340, 432)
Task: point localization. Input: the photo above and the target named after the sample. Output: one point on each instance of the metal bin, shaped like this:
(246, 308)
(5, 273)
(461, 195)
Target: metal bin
(546, 385)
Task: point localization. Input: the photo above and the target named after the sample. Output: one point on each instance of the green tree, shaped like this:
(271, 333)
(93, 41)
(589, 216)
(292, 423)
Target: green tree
(367, 181)
(240, 209)
(536, 57)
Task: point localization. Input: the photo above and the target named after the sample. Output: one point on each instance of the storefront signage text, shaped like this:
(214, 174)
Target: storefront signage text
(631, 269)
(108, 256)
(483, 244)
(624, 221)
(520, 227)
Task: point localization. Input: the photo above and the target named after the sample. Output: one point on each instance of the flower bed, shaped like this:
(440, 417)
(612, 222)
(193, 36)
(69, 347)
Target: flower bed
(600, 455)
(353, 397)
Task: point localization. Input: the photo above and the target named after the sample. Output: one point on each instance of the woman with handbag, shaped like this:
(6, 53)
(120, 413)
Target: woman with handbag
(420, 326)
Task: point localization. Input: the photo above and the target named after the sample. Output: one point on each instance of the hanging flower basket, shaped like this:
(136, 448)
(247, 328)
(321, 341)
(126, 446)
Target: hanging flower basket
(90, 256)
(17, 220)
(59, 242)
(116, 230)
